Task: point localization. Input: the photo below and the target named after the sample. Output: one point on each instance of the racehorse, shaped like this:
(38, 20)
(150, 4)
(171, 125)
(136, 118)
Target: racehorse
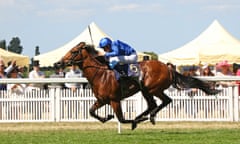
(155, 78)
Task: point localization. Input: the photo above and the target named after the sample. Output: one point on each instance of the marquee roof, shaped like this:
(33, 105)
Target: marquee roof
(21, 60)
(211, 46)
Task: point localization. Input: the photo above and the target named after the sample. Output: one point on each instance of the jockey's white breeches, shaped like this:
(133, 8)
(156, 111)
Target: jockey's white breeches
(124, 59)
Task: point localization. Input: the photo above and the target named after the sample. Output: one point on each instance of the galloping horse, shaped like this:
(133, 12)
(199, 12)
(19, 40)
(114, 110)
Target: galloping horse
(155, 78)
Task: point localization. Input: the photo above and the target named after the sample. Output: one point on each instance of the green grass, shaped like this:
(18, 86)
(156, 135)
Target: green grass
(100, 134)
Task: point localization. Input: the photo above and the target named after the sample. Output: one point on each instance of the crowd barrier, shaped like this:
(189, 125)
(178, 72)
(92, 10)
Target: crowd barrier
(63, 105)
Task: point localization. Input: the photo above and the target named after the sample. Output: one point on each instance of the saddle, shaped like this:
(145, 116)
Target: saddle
(128, 75)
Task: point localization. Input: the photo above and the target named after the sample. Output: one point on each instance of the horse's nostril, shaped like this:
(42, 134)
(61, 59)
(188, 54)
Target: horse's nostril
(59, 64)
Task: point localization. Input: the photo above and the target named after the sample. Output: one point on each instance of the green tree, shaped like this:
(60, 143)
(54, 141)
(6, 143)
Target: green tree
(3, 44)
(37, 51)
(14, 45)
(154, 56)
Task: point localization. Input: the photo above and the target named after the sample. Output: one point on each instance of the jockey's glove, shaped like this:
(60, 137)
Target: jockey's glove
(112, 64)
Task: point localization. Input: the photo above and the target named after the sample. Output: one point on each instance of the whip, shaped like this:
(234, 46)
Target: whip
(89, 29)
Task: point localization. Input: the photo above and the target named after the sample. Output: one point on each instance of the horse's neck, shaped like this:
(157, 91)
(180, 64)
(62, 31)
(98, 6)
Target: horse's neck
(92, 68)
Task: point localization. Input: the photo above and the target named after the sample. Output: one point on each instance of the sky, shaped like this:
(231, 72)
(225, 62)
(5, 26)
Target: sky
(155, 26)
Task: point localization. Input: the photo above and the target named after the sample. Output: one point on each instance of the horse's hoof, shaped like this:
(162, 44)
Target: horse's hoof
(110, 117)
(134, 125)
(152, 120)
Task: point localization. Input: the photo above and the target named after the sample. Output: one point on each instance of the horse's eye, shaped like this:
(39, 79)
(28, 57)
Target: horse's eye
(74, 52)
(85, 47)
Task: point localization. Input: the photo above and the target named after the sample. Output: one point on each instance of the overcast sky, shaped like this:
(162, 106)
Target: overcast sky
(150, 25)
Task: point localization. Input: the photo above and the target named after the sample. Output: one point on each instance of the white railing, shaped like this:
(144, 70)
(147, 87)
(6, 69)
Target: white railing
(56, 104)
(200, 107)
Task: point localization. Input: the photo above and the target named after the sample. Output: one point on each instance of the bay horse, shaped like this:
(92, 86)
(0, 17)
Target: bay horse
(155, 78)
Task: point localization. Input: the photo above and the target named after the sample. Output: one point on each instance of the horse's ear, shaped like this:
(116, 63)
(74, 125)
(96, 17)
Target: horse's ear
(87, 46)
(81, 44)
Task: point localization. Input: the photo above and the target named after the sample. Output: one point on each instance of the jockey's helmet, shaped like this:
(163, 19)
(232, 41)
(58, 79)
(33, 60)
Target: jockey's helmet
(104, 42)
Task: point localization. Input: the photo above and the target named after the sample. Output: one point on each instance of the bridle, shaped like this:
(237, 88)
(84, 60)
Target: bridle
(74, 54)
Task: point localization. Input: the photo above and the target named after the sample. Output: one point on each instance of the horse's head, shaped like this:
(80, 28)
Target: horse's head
(78, 54)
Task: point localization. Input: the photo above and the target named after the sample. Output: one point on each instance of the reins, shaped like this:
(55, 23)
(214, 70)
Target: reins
(93, 66)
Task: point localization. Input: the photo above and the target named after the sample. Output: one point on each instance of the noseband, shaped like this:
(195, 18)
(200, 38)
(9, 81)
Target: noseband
(74, 54)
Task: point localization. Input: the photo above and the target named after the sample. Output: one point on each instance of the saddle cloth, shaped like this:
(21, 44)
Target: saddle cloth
(127, 70)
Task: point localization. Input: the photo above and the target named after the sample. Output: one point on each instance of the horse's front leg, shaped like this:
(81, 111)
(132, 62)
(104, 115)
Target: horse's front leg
(93, 109)
(116, 105)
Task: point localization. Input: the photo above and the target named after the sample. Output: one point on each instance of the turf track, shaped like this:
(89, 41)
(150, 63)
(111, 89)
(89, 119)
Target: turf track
(91, 133)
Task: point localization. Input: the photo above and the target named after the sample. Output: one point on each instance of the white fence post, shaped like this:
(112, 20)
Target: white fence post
(57, 103)
(231, 102)
(52, 102)
(139, 102)
(235, 103)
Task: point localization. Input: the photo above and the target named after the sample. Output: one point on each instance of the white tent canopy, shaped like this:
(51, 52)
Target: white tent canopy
(92, 35)
(211, 46)
(21, 60)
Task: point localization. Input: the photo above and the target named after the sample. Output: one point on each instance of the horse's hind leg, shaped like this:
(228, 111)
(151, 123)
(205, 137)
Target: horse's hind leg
(165, 101)
(96, 106)
(151, 104)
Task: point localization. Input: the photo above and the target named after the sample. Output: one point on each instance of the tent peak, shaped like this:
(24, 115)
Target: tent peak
(216, 22)
(92, 24)
(214, 34)
(216, 25)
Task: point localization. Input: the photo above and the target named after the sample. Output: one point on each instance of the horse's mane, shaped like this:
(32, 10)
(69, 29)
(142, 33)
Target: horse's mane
(91, 49)
(94, 53)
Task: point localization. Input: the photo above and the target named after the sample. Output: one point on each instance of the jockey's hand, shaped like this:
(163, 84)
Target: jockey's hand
(106, 58)
(112, 64)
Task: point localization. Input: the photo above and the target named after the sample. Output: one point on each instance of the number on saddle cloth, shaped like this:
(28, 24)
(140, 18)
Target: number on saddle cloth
(134, 70)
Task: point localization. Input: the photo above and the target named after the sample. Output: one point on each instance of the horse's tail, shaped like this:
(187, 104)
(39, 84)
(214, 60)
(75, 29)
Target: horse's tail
(181, 81)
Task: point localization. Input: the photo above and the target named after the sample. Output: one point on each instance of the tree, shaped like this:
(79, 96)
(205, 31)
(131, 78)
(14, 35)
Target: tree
(14, 45)
(154, 56)
(37, 52)
(3, 44)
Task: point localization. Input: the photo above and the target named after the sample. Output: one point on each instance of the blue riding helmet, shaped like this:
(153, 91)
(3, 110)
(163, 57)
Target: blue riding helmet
(104, 42)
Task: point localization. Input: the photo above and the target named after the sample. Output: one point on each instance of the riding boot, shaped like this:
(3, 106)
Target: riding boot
(137, 81)
(121, 70)
(123, 86)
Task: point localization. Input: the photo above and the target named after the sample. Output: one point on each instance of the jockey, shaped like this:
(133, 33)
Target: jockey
(118, 52)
